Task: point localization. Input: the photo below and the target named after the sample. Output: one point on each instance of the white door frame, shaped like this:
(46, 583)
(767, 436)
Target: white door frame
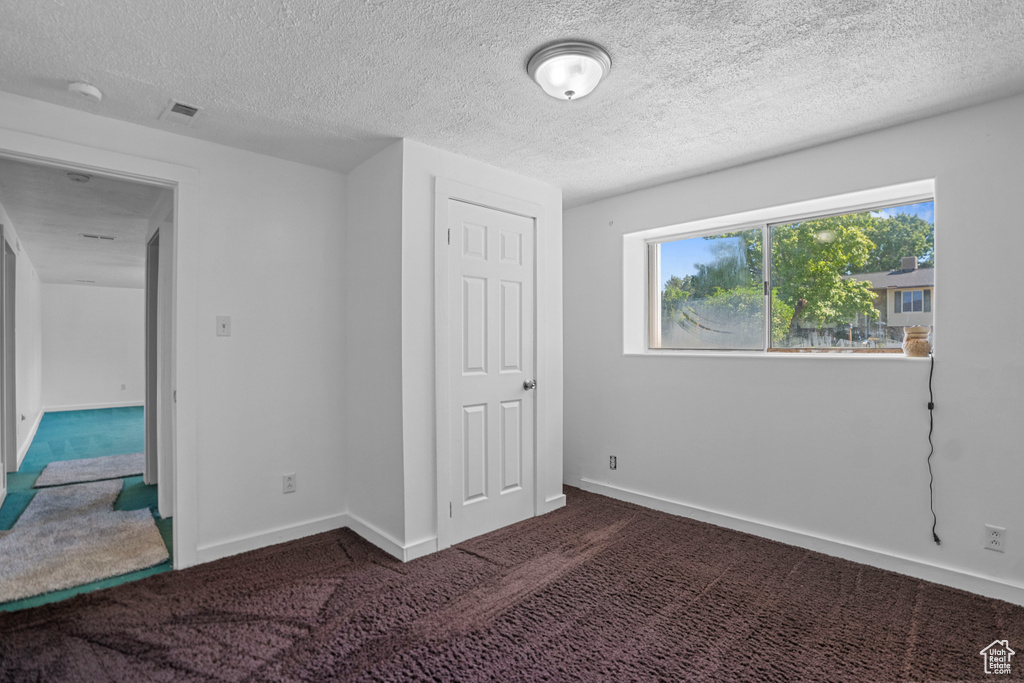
(8, 358)
(445, 190)
(183, 336)
(152, 440)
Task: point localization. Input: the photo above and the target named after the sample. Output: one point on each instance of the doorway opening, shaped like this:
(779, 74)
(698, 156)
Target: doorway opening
(104, 322)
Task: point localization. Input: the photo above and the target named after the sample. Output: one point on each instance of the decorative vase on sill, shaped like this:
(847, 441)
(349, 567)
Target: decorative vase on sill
(915, 342)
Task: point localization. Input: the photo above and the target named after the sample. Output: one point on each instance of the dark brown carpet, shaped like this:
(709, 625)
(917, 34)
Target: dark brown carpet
(598, 591)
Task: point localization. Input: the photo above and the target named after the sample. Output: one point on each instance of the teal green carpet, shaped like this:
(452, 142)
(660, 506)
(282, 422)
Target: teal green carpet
(72, 435)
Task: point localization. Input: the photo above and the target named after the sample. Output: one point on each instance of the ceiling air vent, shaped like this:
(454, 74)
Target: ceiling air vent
(179, 113)
(98, 237)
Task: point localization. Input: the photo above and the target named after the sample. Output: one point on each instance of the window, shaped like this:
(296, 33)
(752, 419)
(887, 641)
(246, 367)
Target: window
(711, 294)
(913, 301)
(817, 283)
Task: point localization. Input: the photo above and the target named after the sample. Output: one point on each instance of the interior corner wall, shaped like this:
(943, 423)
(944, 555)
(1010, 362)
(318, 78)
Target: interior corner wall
(28, 339)
(260, 239)
(373, 352)
(423, 165)
(826, 449)
(93, 345)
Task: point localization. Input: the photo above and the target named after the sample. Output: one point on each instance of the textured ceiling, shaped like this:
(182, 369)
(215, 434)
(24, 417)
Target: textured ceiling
(51, 212)
(695, 85)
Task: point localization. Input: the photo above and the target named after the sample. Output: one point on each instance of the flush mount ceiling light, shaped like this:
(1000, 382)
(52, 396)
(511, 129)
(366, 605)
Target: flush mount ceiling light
(85, 90)
(569, 70)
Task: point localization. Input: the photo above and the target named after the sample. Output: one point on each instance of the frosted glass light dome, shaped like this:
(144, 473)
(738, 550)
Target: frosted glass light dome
(569, 70)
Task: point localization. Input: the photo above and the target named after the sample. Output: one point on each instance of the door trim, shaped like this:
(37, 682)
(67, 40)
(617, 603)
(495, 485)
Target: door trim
(152, 469)
(444, 191)
(183, 299)
(8, 357)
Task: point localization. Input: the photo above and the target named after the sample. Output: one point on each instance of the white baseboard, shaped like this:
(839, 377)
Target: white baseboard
(387, 543)
(411, 551)
(552, 504)
(902, 565)
(92, 406)
(370, 533)
(420, 548)
(216, 551)
(23, 450)
(367, 531)
(375, 536)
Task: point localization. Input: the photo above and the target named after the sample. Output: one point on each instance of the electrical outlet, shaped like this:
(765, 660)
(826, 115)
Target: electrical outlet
(613, 462)
(288, 483)
(995, 538)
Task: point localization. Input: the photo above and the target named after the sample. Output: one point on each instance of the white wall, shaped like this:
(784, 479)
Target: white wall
(373, 347)
(29, 349)
(93, 343)
(270, 394)
(826, 452)
(261, 240)
(28, 340)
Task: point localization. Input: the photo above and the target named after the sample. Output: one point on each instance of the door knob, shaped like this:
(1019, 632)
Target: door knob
(530, 384)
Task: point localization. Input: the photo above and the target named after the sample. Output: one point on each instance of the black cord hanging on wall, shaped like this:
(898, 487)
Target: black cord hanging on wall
(931, 451)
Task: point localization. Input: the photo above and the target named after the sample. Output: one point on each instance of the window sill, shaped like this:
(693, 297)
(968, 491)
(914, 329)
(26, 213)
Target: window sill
(845, 355)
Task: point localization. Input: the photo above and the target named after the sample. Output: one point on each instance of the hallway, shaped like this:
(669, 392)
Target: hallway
(79, 434)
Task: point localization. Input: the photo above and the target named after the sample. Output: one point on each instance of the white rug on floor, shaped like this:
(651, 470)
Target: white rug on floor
(72, 535)
(91, 469)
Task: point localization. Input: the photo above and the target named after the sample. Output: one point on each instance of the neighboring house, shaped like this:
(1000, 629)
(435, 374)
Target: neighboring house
(903, 297)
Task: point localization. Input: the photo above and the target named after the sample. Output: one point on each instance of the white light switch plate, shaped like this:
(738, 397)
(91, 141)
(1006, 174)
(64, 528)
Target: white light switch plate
(223, 325)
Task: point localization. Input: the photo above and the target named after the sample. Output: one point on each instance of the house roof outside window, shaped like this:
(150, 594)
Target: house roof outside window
(898, 279)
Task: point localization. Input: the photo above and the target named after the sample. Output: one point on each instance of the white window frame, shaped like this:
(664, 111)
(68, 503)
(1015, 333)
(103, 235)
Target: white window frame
(654, 268)
(639, 304)
(902, 309)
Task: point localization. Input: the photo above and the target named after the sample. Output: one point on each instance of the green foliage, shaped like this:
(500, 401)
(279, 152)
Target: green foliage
(782, 314)
(745, 307)
(809, 260)
(734, 264)
(898, 236)
(676, 292)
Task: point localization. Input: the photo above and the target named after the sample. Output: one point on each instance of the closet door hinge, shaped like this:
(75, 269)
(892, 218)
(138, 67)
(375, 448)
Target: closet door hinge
(449, 509)
(449, 235)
